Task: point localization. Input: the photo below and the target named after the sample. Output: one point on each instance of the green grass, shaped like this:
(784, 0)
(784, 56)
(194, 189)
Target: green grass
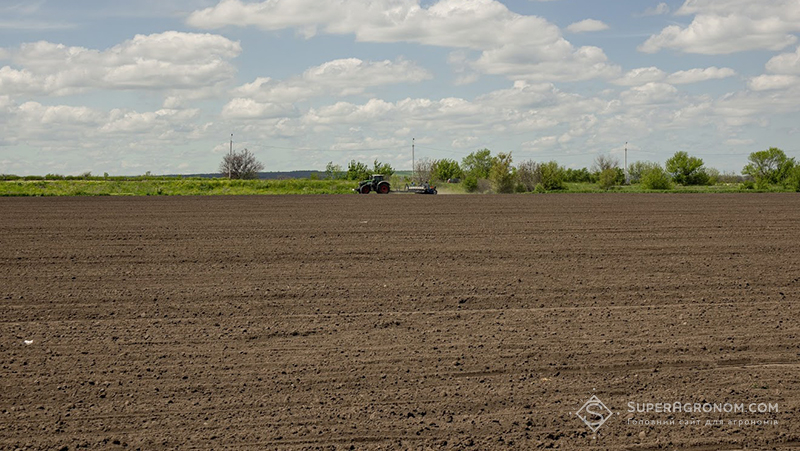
(172, 186)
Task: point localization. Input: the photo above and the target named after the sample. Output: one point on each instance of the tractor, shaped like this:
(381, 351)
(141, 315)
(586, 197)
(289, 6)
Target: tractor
(376, 183)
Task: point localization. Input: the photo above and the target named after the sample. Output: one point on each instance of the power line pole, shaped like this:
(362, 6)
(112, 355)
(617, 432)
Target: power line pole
(230, 158)
(627, 175)
(413, 163)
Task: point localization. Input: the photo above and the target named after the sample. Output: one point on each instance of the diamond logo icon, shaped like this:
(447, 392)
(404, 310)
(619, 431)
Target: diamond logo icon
(594, 413)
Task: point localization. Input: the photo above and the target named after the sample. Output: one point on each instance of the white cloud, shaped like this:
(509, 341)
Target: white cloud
(650, 94)
(699, 75)
(641, 76)
(127, 122)
(243, 108)
(528, 47)
(587, 26)
(466, 142)
(341, 77)
(729, 26)
(772, 82)
(786, 63)
(658, 10)
(169, 60)
(58, 114)
(539, 144)
(739, 142)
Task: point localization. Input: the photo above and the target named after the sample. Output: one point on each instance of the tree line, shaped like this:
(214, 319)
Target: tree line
(481, 171)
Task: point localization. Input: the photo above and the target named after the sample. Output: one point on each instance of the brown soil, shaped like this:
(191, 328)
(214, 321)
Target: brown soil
(397, 322)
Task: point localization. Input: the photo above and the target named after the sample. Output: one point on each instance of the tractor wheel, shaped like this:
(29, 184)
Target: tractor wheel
(365, 189)
(383, 188)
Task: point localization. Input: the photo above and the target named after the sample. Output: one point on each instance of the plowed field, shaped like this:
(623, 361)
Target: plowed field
(400, 322)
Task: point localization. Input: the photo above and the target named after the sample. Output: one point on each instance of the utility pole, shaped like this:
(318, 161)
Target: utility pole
(413, 164)
(230, 158)
(627, 175)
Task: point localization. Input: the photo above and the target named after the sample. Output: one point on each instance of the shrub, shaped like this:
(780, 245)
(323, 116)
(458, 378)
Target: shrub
(539, 189)
(608, 178)
(793, 181)
(424, 171)
(636, 169)
(656, 178)
(713, 176)
(528, 175)
(471, 183)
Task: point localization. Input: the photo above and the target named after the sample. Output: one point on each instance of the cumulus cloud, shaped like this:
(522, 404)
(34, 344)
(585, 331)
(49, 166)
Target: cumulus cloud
(786, 63)
(645, 75)
(641, 76)
(243, 108)
(650, 94)
(586, 26)
(729, 26)
(529, 46)
(340, 77)
(773, 82)
(169, 60)
(699, 75)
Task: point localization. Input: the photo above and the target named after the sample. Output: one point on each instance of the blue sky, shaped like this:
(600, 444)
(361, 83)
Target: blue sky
(145, 85)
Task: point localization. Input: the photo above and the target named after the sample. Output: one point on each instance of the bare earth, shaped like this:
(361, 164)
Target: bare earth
(398, 322)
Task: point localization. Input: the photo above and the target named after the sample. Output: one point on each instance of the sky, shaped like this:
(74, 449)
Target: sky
(140, 86)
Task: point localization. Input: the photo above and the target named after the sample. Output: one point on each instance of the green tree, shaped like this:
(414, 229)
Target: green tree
(382, 168)
(793, 180)
(333, 171)
(552, 176)
(502, 174)
(357, 170)
(768, 166)
(656, 178)
(445, 169)
(687, 170)
(579, 176)
(636, 169)
(478, 163)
